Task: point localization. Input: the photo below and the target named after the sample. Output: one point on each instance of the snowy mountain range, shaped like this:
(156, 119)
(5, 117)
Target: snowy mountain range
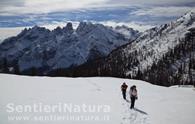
(162, 55)
(40, 48)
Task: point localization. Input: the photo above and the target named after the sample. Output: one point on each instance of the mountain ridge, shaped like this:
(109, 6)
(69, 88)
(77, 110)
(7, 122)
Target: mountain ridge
(46, 50)
(138, 58)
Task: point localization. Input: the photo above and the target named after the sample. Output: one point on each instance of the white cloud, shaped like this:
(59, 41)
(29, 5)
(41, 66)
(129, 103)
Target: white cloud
(151, 2)
(8, 32)
(46, 6)
(134, 25)
(163, 11)
(10, 7)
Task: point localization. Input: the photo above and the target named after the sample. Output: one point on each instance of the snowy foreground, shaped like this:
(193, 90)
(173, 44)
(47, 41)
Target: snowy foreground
(155, 104)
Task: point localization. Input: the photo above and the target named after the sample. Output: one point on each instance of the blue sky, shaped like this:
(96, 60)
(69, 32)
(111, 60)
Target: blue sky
(134, 13)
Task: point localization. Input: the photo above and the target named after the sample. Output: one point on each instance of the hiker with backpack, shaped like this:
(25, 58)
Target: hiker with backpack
(133, 95)
(124, 87)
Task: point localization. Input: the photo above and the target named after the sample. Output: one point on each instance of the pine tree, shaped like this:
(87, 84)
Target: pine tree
(33, 71)
(16, 69)
(5, 66)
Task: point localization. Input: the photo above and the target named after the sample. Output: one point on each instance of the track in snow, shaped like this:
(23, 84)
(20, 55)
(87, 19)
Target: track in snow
(133, 116)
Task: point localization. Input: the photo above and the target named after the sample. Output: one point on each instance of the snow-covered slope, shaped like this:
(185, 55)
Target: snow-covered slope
(154, 43)
(155, 104)
(61, 48)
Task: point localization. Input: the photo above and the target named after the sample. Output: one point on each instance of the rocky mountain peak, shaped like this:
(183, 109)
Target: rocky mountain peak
(85, 27)
(68, 28)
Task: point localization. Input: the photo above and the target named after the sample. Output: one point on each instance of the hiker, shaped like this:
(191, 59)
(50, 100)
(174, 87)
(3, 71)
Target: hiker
(123, 89)
(133, 95)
